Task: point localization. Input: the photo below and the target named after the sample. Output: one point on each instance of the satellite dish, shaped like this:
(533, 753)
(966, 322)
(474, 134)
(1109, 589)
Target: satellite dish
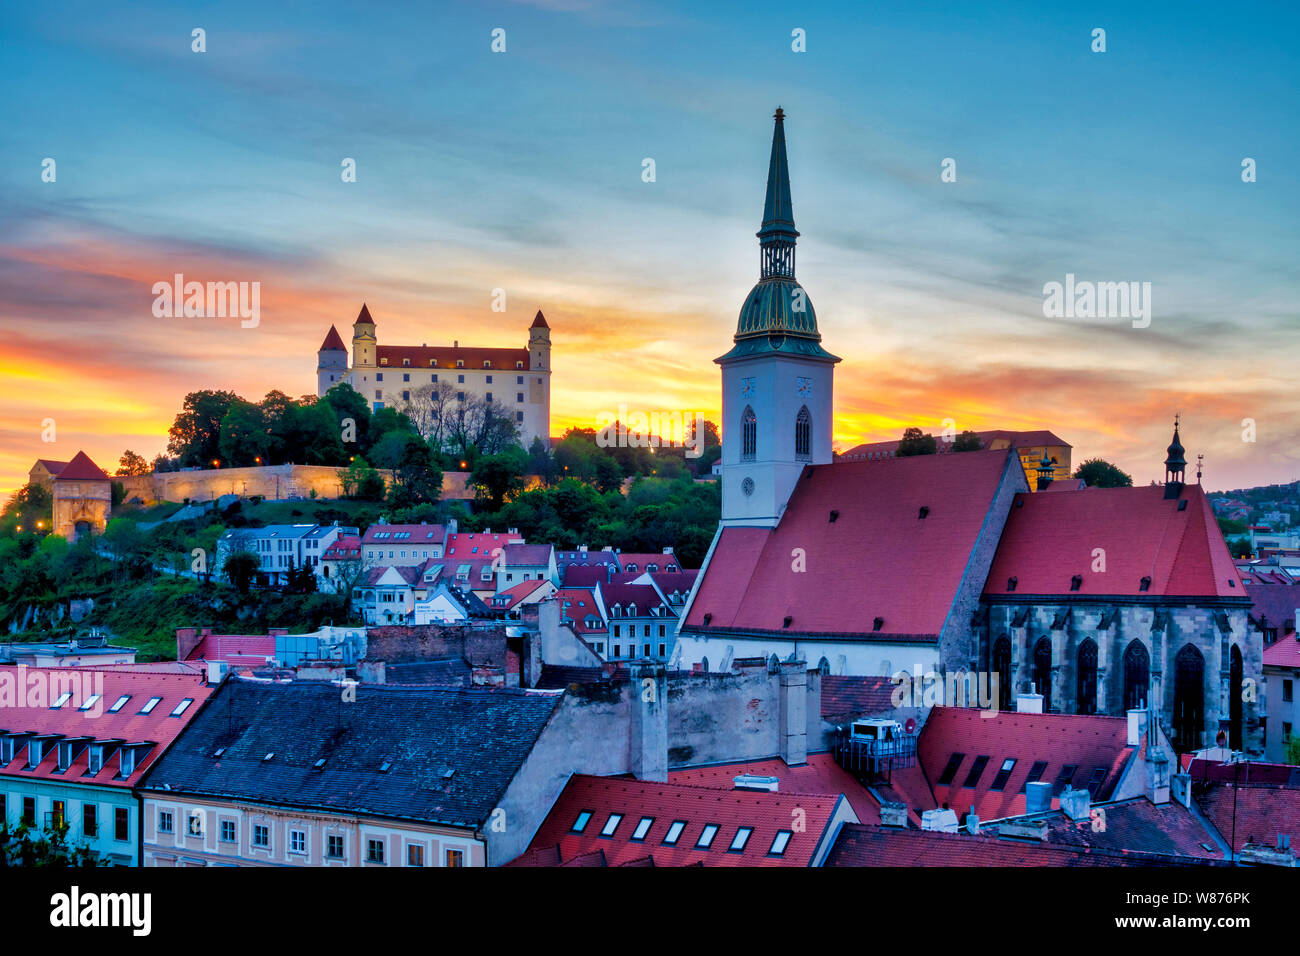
(910, 726)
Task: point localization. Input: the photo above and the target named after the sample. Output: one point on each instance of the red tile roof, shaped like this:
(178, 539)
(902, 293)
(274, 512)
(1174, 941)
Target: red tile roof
(586, 575)
(364, 316)
(526, 555)
(643, 596)
(729, 810)
(234, 648)
(1048, 539)
(643, 559)
(1061, 740)
(128, 724)
(52, 466)
(581, 603)
(333, 342)
(1136, 824)
(416, 534)
(1243, 772)
(844, 698)
(1262, 813)
(507, 599)
(81, 468)
(469, 544)
(878, 558)
(446, 357)
(1284, 652)
(539, 321)
(820, 775)
(345, 547)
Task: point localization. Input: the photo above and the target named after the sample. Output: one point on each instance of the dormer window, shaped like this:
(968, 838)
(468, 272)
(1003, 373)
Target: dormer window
(406, 362)
(487, 364)
(878, 623)
(95, 759)
(460, 363)
(6, 750)
(433, 363)
(383, 361)
(519, 365)
(126, 762)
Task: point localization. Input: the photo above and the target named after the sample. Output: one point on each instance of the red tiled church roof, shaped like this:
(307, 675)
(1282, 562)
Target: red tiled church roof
(878, 558)
(1048, 539)
(81, 468)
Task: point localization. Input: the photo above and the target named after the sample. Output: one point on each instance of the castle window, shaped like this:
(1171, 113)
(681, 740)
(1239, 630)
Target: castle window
(406, 377)
(460, 379)
(379, 377)
(487, 364)
(383, 361)
(519, 379)
(519, 365)
(406, 361)
(803, 435)
(519, 416)
(433, 363)
(489, 397)
(489, 379)
(748, 434)
(460, 363)
(434, 379)
(519, 396)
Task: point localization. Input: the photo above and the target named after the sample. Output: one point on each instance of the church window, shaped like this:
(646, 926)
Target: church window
(803, 434)
(1043, 672)
(748, 434)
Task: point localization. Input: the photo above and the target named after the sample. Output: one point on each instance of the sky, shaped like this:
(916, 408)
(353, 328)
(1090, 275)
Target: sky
(522, 170)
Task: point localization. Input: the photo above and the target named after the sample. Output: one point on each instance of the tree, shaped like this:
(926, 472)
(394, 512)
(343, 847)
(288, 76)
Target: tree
(195, 436)
(352, 415)
(360, 481)
(244, 437)
(1240, 548)
(1099, 473)
(131, 464)
(30, 504)
(49, 848)
(497, 478)
(916, 443)
(966, 441)
(417, 479)
(239, 568)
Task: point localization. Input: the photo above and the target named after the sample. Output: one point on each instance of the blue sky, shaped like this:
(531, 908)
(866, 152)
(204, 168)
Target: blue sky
(522, 171)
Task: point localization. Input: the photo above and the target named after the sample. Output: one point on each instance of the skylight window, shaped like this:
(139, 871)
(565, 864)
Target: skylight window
(119, 703)
(611, 824)
(182, 707)
(1004, 774)
(779, 843)
(1063, 778)
(950, 769)
(706, 836)
(63, 699)
(642, 828)
(580, 824)
(976, 771)
(1035, 772)
(740, 839)
(90, 701)
(674, 833)
(150, 705)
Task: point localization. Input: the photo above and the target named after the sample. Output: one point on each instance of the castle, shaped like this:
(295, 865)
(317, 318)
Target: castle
(516, 381)
(1077, 600)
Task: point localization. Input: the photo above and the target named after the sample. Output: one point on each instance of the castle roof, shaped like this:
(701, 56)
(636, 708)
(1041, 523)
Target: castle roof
(539, 321)
(333, 342)
(81, 468)
(364, 316)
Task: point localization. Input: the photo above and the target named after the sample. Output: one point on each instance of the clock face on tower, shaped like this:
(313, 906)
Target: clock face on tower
(747, 388)
(803, 386)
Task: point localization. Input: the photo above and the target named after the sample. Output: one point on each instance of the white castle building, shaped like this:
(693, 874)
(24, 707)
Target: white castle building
(517, 381)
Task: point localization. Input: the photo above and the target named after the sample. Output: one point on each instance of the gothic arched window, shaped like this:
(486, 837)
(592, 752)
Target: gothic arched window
(1002, 668)
(748, 434)
(1137, 675)
(1189, 698)
(803, 435)
(1043, 671)
(1087, 677)
(1235, 677)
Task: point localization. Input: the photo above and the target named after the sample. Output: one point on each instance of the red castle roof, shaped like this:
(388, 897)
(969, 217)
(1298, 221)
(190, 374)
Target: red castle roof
(333, 342)
(81, 468)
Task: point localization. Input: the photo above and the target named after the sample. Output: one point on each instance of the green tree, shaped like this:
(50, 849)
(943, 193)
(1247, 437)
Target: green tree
(966, 441)
(49, 848)
(417, 479)
(361, 481)
(195, 436)
(239, 569)
(1099, 473)
(244, 437)
(131, 464)
(497, 478)
(914, 442)
(351, 414)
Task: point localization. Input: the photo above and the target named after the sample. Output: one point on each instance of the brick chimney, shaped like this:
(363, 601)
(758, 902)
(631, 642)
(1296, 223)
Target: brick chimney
(648, 743)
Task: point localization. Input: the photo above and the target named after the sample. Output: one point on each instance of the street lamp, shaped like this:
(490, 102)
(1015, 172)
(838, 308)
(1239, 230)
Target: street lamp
(216, 463)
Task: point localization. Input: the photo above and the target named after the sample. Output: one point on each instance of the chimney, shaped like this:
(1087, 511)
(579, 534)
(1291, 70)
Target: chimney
(1181, 789)
(893, 815)
(1137, 726)
(217, 671)
(187, 638)
(649, 730)
(1029, 703)
(941, 821)
(1025, 829)
(1038, 796)
(793, 726)
(1076, 804)
(371, 672)
(1157, 774)
(1261, 854)
(972, 824)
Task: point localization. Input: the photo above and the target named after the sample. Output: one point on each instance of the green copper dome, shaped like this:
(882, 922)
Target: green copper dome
(777, 315)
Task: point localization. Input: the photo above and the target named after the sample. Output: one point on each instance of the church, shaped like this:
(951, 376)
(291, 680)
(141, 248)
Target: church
(516, 381)
(1097, 600)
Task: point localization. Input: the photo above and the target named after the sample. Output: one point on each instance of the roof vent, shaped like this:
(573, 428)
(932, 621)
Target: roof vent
(268, 756)
(750, 781)
(319, 763)
(1012, 582)
(1145, 583)
(878, 623)
(834, 514)
(384, 767)
(707, 619)
(1182, 504)
(788, 621)
(219, 751)
(1076, 582)
(925, 510)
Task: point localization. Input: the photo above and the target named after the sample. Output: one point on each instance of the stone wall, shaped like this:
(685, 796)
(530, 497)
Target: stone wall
(398, 644)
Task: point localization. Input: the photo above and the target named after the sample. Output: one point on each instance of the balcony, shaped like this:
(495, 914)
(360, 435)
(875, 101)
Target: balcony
(874, 760)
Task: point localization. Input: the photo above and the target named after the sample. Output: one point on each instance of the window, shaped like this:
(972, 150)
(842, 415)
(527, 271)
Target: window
(181, 707)
(1098, 777)
(95, 759)
(1287, 690)
(748, 434)
(63, 699)
(119, 703)
(261, 835)
(519, 380)
(29, 811)
(976, 771)
(489, 378)
(90, 702)
(121, 824)
(406, 376)
(803, 434)
(455, 858)
(1035, 773)
(740, 839)
(488, 397)
(1004, 773)
(1063, 778)
(89, 819)
(334, 847)
(164, 821)
(950, 769)
(57, 813)
(642, 828)
(150, 705)
(611, 824)
(580, 824)
(460, 379)
(779, 843)
(674, 833)
(227, 831)
(519, 396)
(706, 836)
(196, 823)
(374, 851)
(414, 854)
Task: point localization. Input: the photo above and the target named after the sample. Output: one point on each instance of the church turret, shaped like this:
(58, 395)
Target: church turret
(364, 343)
(777, 379)
(1175, 465)
(331, 362)
(1045, 471)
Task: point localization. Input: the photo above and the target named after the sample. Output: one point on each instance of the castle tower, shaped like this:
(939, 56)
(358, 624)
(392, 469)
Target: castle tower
(777, 379)
(1175, 465)
(364, 344)
(539, 343)
(83, 498)
(537, 416)
(331, 362)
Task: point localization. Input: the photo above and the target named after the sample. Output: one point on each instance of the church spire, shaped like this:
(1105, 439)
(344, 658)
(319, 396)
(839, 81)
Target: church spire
(1175, 465)
(777, 234)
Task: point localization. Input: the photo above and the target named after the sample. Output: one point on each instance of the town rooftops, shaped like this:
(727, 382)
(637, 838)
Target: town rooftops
(1262, 813)
(626, 596)
(78, 714)
(470, 544)
(344, 548)
(997, 438)
(1284, 652)
(507, 599)
(629, 820)
(52, 466)
(1134, 825)
(81, 468)
(587, 575)
(981, 763)
(1150, 545)
(526, 555)
(234, 648)
(890, 540)
(407, 534)
(579, 609)
(648, 561)
(845, 698)
(819, 775)
(440, 755)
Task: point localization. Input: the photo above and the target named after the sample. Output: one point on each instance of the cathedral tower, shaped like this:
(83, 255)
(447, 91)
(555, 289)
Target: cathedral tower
(777, 379)
(364, 345)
